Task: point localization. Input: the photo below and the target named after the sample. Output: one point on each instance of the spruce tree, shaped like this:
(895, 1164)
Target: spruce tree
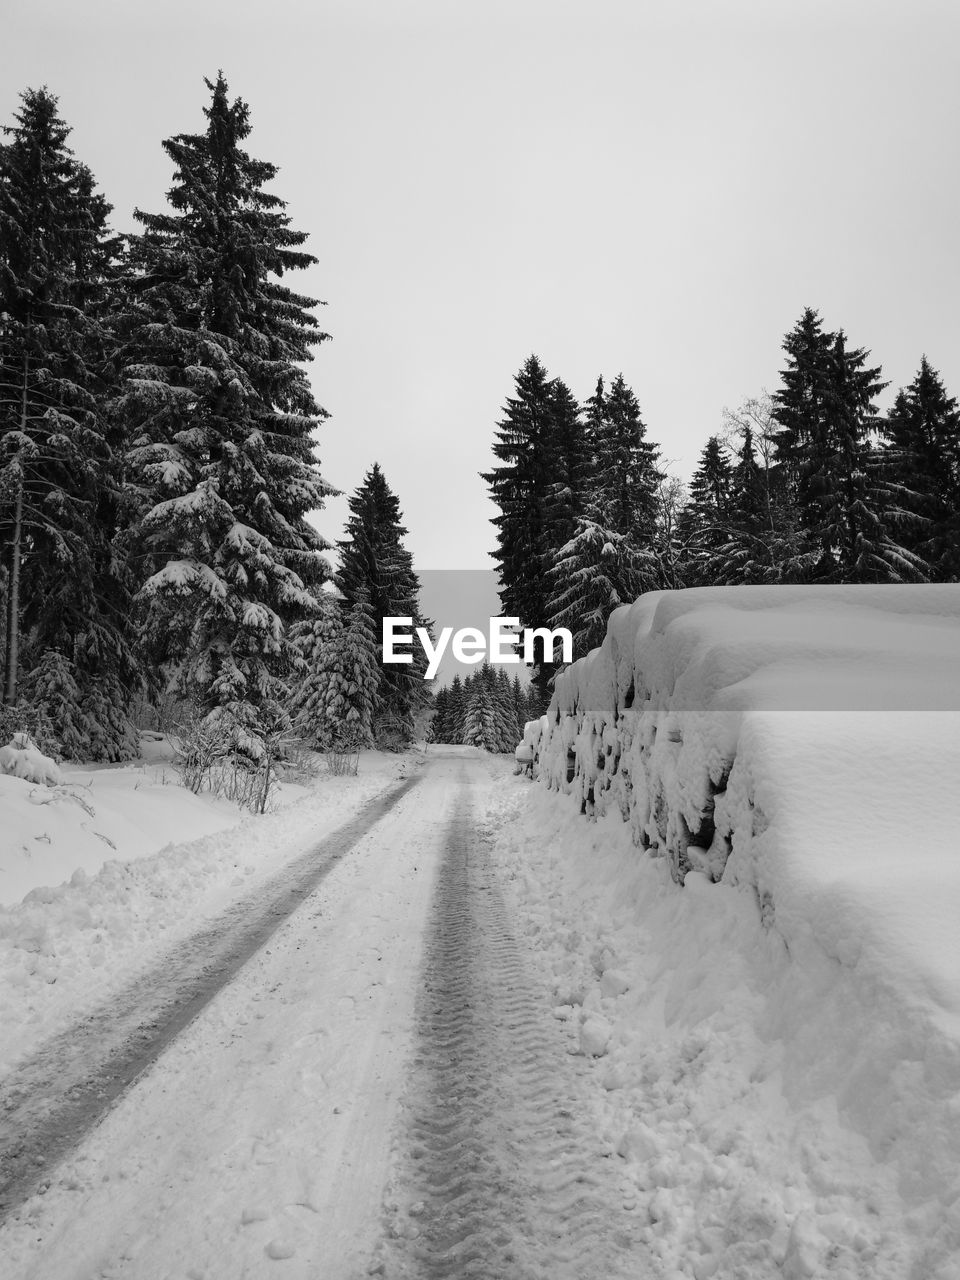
(598, 570)
(352, 669)
(519, 705)
(922, 437)
(311, 638)
(704, 522)
(520, 488)
(220, 414)
(441, 709)
(510, 730)
(480, 725)
(457, 709)
(849, 510)
(540, 488)
(59, 479)
(623, 490)
(374, 561)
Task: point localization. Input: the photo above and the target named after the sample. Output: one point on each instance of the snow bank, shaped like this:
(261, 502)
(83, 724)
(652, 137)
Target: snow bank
(22, 759)
(97, 915)
(774, 1111)
(793, 757)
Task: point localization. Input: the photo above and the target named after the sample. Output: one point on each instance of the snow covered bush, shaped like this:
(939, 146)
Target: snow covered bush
(228, 752)
(34, 721)
(22, 758)
(89, 717)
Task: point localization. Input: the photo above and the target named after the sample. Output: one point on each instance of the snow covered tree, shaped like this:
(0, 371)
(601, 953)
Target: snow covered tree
(623, 488)
(220, 415)
(598, 570)
(310, 639)
(922, 438)
(66, 590)
(480, 725)
(520, 713)
(704, 520)
(374, 562)
(335, 703)
(441, 710)
(509, 731)
(540, 488)
(848, 509)
(456, 711)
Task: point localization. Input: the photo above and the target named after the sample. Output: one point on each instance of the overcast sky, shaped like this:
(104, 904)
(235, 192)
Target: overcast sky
(615, 185)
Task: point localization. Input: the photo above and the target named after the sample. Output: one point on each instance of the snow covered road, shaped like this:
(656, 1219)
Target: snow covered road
(54, 1097)
(260, 1140)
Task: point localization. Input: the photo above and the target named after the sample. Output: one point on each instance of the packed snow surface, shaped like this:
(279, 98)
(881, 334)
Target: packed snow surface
(116, 864)
(791, 756)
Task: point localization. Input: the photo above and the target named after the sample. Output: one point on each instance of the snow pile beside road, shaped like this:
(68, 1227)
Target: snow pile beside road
(22, 759)
(792, 756)
(775, 1109)
(92, 815)
(67, 945)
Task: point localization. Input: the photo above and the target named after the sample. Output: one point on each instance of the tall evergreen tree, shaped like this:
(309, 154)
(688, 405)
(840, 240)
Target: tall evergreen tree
(480, 719)
(598, 570)
(922, 436)
(457, 710)
(849, 511)
(220, 413)
(66, 591)
(704, 522)
(441, 711)
(540, 489)
(519, 705)
(374, 561)
(623, 490)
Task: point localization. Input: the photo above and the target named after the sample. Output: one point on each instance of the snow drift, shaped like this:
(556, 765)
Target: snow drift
(799, 748)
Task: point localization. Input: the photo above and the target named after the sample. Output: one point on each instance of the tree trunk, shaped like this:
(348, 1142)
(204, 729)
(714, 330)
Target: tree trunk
(12, 653)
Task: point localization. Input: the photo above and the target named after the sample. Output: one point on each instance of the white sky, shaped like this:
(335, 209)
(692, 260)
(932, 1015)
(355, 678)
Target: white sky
(613, 184)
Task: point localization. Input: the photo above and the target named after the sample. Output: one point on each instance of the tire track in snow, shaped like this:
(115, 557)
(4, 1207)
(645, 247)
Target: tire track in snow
(52, 1099)
(499, 1174)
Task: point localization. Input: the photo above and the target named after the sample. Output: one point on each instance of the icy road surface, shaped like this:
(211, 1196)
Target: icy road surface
(380, 1089)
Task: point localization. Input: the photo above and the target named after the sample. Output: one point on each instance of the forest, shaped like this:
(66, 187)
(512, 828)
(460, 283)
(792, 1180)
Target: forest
(158, 466)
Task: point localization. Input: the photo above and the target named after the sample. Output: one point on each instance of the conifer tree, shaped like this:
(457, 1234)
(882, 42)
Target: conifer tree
(457, 709)
(506, 720)
(66, 590)
(374, 561)
(220, 413)
(540, 488)
(519, 705)
(441, 709)
(752, 552)
(922, 437)
(705, 520)
(848, 509)
(623, 490)
(311, 638)
(351, 666)
(479, 726)
(598, 570)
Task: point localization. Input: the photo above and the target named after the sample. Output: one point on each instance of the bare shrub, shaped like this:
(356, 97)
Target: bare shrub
(220, 752)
